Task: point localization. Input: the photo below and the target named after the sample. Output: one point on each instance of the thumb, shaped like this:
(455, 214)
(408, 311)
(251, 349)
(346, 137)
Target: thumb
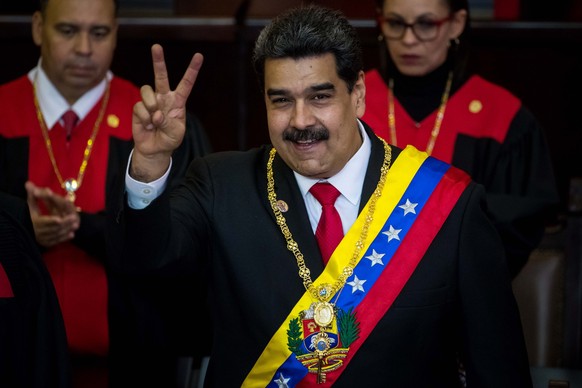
(31, 198)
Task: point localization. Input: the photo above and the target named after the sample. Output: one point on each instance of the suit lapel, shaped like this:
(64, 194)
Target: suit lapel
(297, 219)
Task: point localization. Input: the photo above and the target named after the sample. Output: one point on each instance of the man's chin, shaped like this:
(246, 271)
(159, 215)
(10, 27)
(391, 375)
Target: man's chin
(82, 81)
(82, 75)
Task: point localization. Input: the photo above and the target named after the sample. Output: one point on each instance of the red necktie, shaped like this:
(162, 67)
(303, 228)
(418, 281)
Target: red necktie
(329, 231)
(69, 121)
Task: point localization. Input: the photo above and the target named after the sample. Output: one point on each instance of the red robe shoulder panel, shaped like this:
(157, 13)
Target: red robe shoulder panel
(479, 109)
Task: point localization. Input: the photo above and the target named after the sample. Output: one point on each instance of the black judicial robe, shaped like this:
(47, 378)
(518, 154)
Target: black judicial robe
(33, 344)
(485, 131)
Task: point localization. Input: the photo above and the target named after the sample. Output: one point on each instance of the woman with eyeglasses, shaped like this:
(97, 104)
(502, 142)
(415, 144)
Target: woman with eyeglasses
(424, 96)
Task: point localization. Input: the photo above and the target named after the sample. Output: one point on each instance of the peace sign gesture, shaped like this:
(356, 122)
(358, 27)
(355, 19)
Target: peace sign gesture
(159, 119)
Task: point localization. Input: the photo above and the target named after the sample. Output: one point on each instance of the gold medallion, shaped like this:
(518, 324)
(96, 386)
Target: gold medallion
(71, 185)
(323, 314)
(322, 343)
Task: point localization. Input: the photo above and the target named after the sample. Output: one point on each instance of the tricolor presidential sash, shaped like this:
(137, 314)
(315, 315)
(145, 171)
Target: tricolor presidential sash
(419, 193)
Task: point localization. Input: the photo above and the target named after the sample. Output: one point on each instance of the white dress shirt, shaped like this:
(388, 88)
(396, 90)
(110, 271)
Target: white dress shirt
(52, 104)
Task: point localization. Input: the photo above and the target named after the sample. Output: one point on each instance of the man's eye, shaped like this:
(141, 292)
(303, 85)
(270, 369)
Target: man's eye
(100, 33)
(67, 31)
(320, 96)
(279, 100)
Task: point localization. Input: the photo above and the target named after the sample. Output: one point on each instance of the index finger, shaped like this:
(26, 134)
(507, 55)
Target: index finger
(187, 82)
(161, 81)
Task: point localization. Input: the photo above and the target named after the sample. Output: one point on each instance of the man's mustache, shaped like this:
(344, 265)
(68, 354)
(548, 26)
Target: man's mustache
(307, 134)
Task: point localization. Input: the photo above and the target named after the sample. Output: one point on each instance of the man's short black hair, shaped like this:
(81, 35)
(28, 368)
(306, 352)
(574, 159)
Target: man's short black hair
(310, 31)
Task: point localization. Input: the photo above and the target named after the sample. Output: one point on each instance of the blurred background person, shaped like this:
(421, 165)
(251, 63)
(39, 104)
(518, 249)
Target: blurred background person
(67, 127)
(424, 95)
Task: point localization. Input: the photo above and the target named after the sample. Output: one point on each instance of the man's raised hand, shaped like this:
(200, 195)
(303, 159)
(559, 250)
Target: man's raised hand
(159, 119)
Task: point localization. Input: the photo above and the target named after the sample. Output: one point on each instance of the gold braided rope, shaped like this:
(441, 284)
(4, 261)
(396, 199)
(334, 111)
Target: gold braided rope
(325, 292)
(437, 123)
(71, 185)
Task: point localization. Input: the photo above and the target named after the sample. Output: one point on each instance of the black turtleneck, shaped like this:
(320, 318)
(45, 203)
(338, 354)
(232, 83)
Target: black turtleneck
(420, 96)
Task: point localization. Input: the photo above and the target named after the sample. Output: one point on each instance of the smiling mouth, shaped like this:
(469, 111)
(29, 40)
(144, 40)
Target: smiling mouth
(308, 146)
(306, 142)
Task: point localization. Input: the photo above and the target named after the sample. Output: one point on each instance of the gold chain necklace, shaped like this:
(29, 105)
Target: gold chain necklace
(437, 123)
(324, 311)
(71, 185)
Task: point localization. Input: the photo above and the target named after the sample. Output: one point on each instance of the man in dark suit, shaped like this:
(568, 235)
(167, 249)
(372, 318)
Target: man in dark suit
(416, 284)
(33, 344)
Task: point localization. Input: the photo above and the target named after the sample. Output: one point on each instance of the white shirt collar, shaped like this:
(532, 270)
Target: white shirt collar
(53, 104)
(350, 180)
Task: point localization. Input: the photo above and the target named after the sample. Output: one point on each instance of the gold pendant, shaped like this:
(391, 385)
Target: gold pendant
(71, 185)
(324, 292)
(323, 314)
(322, 345)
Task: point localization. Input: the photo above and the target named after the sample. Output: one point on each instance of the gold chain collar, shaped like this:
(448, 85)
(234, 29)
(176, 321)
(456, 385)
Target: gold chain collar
(70, 185)
(437, 123)
(324, 292)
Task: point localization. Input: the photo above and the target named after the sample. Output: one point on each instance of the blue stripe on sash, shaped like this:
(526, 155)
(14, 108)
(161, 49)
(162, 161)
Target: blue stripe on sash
(418, 192)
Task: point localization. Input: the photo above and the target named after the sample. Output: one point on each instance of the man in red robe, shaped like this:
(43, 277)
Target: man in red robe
(81, 161)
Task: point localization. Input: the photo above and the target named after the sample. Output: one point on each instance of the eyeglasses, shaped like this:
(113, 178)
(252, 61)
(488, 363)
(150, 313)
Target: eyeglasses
(424, 29)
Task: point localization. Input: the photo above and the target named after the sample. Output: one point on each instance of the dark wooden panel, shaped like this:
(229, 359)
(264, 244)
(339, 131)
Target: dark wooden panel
(200, 8)
(539, 62)
(267, 9)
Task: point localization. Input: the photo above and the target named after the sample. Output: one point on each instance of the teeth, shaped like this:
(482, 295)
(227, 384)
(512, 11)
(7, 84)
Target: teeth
(305, 141)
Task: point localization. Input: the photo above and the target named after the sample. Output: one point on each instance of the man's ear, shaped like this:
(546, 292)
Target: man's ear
(37, 23)
(360, 94)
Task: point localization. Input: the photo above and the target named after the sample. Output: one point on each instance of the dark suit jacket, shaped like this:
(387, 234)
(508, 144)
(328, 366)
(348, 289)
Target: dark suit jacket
(458, 300)
(33, 343)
